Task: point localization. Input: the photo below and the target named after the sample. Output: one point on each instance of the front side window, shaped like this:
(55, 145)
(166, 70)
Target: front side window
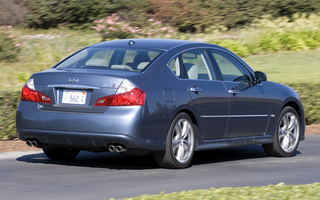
(197, 66)
(110, 59)
(231, 69)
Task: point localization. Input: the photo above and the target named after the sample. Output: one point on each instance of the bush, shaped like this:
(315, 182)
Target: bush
(234, 46)
(79, 14)
(9, 99)
(8, 48)
(113, 28)
(270, 42)
(310, 94)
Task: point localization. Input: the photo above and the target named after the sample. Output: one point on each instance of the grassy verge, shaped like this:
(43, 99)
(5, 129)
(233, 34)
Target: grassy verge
(288, 67)
(278, 192)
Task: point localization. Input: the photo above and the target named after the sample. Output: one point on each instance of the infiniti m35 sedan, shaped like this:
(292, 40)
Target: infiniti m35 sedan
(166, 97)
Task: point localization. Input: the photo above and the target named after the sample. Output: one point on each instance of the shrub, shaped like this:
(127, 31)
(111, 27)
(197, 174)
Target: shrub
(270, 42)
(234, 46)
(8, 48)
(291, 41)
(9, 99)
(310, 94)
(113, 28)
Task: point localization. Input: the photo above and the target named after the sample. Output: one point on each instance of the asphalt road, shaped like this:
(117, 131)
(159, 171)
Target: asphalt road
(95, 176)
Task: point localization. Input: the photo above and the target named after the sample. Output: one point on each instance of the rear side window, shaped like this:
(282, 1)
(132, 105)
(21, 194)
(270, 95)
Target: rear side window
(197, 66)
(110, 59)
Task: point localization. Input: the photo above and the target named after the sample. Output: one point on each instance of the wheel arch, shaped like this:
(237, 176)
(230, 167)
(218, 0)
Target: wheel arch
(195, 121)
(299, 109)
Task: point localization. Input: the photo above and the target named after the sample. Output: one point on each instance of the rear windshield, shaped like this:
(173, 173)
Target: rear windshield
(110, 59)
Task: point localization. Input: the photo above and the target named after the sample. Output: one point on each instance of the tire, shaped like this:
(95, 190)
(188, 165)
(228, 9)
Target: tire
(61, 154)
(287, 135)
(180, 143)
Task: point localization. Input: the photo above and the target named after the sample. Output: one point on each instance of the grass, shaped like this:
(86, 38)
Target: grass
(277, 192)
(290, 66)
(41, 49)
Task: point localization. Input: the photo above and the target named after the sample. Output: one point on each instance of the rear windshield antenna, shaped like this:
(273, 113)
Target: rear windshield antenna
(131, 42)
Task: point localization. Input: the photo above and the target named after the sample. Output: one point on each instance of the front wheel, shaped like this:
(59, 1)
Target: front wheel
(179, 143)
(61, 154)
(287, 136)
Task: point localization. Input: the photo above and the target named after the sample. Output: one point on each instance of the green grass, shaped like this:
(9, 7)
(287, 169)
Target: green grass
(276, 192)
(286, 67)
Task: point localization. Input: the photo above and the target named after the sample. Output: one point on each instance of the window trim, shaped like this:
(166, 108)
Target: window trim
(182, 70)
(216, 66)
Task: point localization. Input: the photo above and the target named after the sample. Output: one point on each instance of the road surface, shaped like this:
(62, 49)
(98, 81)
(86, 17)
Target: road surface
(95, 176)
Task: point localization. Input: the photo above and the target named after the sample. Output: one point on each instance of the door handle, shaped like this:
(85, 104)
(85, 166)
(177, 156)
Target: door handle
(195, 89)
(234, 91)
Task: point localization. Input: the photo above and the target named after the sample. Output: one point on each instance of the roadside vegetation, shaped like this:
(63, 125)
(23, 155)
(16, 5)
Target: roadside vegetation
(277, 192)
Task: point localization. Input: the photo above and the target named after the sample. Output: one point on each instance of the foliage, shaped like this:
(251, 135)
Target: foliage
(310, 94)
(8, 48)
(9, 99)
(113, 28)
(186, 16)
(78, 13)
(280, 191)
(268, 35)
(234, 46)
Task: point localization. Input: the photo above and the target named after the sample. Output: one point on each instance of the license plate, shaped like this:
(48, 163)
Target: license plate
(74, 97)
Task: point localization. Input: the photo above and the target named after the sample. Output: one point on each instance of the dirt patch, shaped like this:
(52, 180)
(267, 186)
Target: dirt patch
(17, 145)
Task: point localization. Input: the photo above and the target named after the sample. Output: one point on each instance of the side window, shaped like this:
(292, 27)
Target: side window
(231, 69)
(175, 66)
(197, 65)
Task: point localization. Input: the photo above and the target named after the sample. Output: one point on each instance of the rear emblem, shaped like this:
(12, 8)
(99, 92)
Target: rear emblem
(73, 80)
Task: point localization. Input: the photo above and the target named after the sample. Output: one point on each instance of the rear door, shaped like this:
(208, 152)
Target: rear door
(209, 96)
(249, 102)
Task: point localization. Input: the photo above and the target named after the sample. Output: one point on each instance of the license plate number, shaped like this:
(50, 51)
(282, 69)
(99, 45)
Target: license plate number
(74, 97)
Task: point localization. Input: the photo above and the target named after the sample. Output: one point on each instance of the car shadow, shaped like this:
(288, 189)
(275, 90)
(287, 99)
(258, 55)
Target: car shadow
(144, 162)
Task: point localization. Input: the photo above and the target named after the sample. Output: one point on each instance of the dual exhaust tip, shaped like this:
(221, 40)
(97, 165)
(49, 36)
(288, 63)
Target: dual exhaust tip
(32, 143)
(117, 148)
(112, 148)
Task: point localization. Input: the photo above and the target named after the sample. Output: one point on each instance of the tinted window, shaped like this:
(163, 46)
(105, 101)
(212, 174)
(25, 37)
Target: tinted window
(197, 65)
(231, 69)
(111, 59)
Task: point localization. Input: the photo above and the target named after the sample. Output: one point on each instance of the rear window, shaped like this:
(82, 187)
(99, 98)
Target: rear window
(110, 59)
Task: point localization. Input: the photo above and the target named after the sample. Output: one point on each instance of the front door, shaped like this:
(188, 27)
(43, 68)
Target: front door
(249, 105)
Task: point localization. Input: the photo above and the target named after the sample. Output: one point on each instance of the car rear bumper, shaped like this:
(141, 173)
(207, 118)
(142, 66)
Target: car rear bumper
(88, 131)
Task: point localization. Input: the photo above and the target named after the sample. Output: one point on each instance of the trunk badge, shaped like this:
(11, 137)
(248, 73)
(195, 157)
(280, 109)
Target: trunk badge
(73, 80)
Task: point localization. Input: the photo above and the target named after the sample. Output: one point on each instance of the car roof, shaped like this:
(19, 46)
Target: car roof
(159, 44)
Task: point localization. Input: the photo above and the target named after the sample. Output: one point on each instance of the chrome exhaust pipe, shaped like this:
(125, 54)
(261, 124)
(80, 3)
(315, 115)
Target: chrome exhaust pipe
(112, 148)
(29, 143)
(120, 149)
(34, 143)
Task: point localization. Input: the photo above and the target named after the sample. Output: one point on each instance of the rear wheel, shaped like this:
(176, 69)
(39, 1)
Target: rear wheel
(60, 153)
(287, 136)
(179, 143)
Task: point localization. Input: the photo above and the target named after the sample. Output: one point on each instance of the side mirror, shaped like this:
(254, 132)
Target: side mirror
(260, 76)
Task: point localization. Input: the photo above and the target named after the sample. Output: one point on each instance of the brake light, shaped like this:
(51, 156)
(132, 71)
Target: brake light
(127, 95)
(29, 94)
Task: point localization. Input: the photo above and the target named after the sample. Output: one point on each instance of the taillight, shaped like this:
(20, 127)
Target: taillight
(126, 95)
(30, 94)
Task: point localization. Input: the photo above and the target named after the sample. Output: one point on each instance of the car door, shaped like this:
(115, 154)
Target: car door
(209, 96)
(249, 103)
